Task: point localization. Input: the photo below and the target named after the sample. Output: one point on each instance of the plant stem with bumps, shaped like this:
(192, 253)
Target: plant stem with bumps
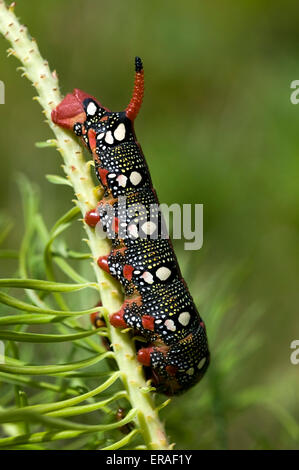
(77, 170)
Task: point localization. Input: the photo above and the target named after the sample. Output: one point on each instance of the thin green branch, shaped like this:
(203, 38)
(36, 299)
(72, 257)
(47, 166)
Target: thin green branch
(53, 369)
(49, 286)
(20, 305)
(28, 382)
(46, 338)
(77, 410)
(25, 319)
(122, 442)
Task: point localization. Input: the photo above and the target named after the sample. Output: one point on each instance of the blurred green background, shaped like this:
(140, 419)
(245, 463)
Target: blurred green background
(218, 128)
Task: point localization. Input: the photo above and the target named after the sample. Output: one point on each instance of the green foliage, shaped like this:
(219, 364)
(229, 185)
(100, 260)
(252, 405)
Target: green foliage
(38, 402)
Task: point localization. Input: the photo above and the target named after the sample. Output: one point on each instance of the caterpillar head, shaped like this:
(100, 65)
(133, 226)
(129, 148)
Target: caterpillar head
(97, 125)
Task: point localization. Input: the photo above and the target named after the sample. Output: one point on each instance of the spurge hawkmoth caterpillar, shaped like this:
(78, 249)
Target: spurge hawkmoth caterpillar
(158, 305)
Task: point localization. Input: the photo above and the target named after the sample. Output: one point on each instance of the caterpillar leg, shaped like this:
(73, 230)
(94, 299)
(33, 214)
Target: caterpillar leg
(117, 320)
(130, 316)
(103, 263)
(144, 356)
(156, 356)
(115, 264)
(158, 369)
(92, 217)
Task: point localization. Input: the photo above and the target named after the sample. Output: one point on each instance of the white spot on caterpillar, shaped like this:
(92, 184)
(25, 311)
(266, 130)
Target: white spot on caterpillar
(122, 180)
(163, 273)
(148, 228)
(132, 229)
(201, 363)
(190, 371)
(109, 138)
(100, 136)
(112, 175)
(184, 318)
(120, 132)
(135, 178)
(170, 325)
(148, 277)
(91, 109)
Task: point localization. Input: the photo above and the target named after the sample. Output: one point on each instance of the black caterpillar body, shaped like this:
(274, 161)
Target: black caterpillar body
(158, 305)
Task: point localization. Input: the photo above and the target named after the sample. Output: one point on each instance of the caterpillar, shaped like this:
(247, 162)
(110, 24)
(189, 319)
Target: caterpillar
(157, 305)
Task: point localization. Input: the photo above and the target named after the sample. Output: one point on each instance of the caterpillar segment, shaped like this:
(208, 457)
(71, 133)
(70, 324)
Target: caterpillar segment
(158, 305)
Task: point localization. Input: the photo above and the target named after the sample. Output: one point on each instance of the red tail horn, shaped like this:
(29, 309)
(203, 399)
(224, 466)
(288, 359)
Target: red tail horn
(135, 104)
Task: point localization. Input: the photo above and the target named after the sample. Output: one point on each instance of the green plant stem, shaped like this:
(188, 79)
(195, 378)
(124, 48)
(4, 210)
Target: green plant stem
(77, 171)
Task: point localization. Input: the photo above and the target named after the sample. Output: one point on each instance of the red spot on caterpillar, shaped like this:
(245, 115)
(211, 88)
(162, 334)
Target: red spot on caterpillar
(128, 271)
(103, 263)
(144, 356)
(171, 370)
(92, 218)
(92, 139)
(148, 322)
(103, 176)
(202, 325)
(117, 320)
